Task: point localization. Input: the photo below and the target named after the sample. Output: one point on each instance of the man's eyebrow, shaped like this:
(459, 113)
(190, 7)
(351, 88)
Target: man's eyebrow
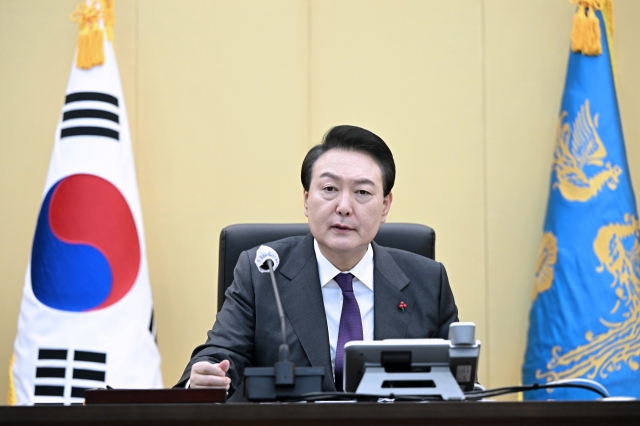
(363, 181)
(329, 175)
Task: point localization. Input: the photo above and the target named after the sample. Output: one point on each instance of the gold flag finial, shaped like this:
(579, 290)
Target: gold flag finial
(90, 37)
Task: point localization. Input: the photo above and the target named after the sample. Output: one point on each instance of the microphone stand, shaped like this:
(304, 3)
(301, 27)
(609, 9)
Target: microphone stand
(284, 368)
(284, 380)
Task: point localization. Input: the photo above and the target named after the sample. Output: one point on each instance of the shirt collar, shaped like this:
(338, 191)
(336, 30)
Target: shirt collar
(363, 270)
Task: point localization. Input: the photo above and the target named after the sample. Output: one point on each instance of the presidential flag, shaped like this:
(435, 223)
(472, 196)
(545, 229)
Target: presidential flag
(86, 318)
(585, 316)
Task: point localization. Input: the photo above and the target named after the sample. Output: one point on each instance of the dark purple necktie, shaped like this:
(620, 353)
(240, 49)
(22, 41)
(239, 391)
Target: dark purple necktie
(350, 323)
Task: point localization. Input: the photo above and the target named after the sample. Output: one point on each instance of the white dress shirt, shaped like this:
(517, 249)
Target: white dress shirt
(332, 295)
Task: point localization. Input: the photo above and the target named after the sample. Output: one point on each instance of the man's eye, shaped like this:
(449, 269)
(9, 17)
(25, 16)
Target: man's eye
(362, 192)
(330, 189)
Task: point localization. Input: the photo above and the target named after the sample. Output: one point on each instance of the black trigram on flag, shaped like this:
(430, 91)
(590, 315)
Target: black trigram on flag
(62, 376)
(90, 114)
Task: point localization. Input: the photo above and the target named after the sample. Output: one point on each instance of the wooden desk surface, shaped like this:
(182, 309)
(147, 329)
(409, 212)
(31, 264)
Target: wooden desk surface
(335, 414)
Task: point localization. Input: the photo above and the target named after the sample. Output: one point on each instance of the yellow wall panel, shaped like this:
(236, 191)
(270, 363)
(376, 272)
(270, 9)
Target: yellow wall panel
(627, 57)
(526, 62)
(223, 130)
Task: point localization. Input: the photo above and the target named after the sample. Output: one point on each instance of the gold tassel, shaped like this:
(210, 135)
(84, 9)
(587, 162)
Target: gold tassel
(585, 34)
(90, 36)
(577, 30)
(593, 44)
(12, 399)
(97, 45)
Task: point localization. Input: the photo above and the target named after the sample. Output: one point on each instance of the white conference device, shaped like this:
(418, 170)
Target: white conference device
(422, 367)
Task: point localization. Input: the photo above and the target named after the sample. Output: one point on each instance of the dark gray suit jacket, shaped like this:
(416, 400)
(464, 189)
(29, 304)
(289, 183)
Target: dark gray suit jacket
(247, 329)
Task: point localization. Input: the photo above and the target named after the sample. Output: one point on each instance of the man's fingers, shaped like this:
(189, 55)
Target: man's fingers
(206, 368)
(207, 375)
(200, 381)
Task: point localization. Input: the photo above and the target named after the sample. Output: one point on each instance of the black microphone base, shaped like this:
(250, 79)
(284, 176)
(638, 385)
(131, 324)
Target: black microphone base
(260, 383)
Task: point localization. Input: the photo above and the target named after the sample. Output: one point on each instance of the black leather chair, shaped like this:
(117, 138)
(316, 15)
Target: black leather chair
(235, 239)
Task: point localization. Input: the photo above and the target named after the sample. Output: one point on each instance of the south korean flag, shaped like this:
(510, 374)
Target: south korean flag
(86, 318)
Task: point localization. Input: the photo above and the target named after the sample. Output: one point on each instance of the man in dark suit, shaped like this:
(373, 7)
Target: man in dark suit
(336, 284)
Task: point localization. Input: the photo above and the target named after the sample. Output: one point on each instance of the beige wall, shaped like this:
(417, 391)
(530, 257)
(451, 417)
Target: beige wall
(225, 97)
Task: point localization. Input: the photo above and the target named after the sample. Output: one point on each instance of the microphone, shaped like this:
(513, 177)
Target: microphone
(263, 254)
(283, 380)
(267, 260)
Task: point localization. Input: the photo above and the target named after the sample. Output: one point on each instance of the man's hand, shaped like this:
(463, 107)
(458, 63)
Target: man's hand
(207, 375)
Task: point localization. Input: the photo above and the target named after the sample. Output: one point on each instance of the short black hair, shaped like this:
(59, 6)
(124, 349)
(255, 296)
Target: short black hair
(352, 138)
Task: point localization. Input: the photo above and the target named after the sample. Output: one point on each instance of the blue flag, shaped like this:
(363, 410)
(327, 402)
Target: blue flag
(585, 316)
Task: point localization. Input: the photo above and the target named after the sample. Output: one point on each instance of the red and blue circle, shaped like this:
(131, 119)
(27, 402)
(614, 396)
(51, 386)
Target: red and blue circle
(86, 251)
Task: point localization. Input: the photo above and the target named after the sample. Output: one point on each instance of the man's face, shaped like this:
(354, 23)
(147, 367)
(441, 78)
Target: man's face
(345, 205)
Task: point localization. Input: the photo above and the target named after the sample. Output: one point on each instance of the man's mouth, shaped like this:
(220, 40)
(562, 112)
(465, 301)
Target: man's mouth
(341, 227)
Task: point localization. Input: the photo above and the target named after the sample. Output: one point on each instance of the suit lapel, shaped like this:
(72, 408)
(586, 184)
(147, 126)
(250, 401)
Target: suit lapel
(302, 301)
(389, 321)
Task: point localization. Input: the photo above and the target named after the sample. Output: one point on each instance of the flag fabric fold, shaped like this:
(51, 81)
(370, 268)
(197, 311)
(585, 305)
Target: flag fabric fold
(86, 317)
(585, 315)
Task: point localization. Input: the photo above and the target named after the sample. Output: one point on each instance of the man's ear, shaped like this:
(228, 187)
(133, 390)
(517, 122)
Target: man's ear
(305, 197)
(386, 206)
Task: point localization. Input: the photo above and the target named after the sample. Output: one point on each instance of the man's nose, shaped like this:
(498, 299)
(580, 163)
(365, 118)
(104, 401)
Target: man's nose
(344, 205)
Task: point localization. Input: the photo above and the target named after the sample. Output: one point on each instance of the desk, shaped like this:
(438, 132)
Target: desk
(360, 414)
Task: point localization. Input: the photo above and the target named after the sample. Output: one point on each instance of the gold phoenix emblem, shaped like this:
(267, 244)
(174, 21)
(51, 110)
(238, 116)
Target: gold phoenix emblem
(607, 352)
(576, 149)
(547, 256)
